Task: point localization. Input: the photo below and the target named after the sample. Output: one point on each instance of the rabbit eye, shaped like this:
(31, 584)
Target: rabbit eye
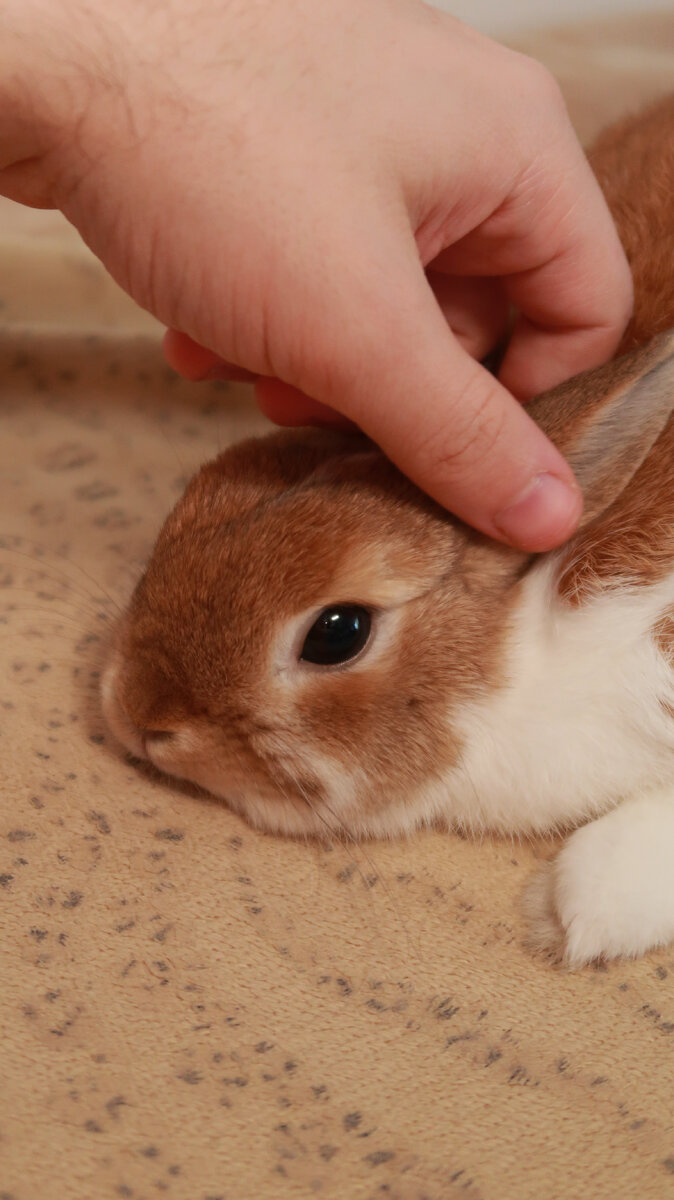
(337, 635)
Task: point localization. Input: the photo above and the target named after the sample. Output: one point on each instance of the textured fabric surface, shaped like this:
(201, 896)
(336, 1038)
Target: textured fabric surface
(195, 1010)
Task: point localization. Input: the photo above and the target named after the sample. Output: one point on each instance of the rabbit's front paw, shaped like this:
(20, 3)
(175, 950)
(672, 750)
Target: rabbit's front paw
(565, 922)
(610, 891)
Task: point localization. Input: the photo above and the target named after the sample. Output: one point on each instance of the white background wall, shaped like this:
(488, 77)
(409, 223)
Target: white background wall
(504, 16)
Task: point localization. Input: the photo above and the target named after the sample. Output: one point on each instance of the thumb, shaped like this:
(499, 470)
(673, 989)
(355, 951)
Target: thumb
(448, 424)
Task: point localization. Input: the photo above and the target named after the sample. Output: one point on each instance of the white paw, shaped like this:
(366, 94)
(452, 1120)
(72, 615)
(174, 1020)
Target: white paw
(608, 894)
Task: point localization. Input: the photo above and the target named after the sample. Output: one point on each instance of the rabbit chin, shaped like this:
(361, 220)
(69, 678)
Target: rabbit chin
(320, 798)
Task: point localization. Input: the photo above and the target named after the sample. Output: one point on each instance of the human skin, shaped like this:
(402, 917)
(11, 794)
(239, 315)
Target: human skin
(342, 201)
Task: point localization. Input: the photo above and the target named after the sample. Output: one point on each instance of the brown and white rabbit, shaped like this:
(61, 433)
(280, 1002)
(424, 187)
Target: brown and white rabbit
(320, 644)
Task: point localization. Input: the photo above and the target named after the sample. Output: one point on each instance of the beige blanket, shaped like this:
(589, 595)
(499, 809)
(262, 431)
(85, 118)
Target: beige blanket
(192, 1009)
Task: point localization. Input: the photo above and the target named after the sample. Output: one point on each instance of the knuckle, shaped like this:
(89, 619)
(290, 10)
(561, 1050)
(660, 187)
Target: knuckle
(538, 81)
(467, 442)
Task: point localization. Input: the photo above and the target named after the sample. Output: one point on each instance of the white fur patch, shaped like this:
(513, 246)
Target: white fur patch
(581, 724)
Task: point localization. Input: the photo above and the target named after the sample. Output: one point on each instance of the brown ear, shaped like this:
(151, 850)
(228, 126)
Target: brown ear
(605, 421)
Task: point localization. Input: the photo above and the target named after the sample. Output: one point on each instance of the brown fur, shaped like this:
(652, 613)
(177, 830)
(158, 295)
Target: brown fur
(634, 163)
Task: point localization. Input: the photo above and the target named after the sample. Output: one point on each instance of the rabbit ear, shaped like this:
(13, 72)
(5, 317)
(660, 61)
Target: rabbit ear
(605, 421)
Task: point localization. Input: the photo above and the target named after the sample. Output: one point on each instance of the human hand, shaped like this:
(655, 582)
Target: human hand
(343, 200)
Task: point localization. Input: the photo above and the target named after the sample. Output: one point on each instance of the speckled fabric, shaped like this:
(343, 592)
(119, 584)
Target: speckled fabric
(195, 1010)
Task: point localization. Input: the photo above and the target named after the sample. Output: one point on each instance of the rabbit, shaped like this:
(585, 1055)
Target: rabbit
(320, 644)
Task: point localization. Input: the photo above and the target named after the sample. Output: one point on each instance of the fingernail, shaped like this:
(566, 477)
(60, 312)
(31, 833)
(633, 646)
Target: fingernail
(544, 514)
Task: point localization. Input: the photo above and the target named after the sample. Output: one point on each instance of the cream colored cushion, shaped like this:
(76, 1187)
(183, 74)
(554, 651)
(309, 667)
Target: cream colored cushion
(192, 1009)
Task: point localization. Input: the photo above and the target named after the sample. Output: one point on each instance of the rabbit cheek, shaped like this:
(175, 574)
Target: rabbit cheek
(373, 737)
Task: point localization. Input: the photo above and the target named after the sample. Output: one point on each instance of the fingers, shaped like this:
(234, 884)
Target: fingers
(286, 405)
(447, 423)
(575, 297)
(556, 251)
(470, 445)
(196, 363)
(406, 380)
(476, 310)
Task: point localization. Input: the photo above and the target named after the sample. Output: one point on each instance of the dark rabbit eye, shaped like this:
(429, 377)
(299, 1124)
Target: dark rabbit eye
(337, 635)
